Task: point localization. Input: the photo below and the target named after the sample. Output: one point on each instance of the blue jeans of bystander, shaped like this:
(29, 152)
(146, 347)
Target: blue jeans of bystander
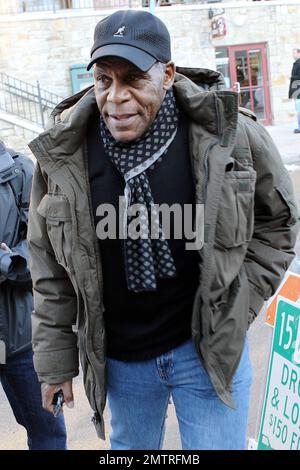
(297, 106)
(20, 383)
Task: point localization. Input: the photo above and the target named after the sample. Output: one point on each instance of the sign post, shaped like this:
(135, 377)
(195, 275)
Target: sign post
(280, 425)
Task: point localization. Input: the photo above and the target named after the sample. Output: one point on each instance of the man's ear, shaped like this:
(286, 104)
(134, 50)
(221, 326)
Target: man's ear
(169, 75)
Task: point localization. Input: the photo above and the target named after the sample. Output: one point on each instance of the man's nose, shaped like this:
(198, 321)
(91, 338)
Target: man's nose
(118, 93)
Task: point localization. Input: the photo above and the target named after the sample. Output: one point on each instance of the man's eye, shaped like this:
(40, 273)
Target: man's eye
(133, 78)
(103, 79)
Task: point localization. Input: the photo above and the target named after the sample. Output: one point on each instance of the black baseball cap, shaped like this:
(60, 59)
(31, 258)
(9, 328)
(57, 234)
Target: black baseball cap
(137, 36)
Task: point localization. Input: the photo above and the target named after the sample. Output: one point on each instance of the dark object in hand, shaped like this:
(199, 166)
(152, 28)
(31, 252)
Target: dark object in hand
(58, 401)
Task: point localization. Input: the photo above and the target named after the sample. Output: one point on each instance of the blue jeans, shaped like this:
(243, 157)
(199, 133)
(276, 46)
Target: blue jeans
(20, 383)
(139, 393)
(297, 106)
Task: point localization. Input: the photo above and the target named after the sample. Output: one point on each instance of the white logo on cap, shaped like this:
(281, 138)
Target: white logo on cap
(120, 32)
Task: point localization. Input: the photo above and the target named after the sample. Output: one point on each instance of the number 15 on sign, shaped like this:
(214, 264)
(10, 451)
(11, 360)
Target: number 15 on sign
(280, 425)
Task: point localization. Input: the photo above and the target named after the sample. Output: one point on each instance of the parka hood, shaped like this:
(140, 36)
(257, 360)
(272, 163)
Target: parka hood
(200, 93)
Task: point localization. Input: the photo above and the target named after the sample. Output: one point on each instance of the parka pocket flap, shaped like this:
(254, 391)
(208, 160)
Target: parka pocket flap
(237, 175)
(236, 209)
(285, 189)
(54, 208)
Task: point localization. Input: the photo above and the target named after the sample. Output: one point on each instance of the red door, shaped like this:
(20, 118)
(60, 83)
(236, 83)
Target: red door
(247, 72)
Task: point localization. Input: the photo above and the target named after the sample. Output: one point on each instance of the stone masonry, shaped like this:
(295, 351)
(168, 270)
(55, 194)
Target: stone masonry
(43, 46)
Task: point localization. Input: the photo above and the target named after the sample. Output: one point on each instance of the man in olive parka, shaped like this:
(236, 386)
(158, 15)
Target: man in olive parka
(154, 319)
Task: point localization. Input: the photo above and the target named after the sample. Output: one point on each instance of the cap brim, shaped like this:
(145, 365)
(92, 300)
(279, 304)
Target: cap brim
(141, 59)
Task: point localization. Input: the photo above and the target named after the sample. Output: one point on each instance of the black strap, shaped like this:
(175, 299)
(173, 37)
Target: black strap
(16, 184)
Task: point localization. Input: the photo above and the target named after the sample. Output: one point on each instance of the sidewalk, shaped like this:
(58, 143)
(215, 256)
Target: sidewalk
(287, 142)
(288, 145)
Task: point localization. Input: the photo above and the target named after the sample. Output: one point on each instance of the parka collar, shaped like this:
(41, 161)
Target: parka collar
(199, 92)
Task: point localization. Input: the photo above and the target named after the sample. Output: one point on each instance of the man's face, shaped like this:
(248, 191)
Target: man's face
(128, 98)
(296, 54)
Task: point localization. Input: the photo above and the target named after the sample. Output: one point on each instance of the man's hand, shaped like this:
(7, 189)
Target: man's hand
(48, 392)
(4, 247)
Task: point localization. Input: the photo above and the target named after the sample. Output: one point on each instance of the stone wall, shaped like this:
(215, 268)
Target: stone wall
(9, 6)
(43, 46)
(16, 137)
(277, 25)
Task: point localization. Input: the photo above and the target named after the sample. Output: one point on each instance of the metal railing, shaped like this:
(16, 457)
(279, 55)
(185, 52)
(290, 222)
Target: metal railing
(25, 6)
(30, 102)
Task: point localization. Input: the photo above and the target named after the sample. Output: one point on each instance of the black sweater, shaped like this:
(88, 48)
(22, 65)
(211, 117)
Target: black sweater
(144, 325)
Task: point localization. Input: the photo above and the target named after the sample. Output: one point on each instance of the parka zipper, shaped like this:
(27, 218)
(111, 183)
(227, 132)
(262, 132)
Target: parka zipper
(208, 149)
(97, 417)
(205, 168)
(96, 247)
(219, 130)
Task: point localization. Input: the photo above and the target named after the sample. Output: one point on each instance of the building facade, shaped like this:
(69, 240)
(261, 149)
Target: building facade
(249, 42)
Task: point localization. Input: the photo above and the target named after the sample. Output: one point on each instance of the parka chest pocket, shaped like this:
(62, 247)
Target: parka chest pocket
(56, 210)
(235, 220)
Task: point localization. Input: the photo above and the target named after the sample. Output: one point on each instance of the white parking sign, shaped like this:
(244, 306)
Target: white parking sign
(280, 426)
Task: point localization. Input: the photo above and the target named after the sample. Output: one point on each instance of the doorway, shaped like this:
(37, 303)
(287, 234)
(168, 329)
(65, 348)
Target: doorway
(245, 70)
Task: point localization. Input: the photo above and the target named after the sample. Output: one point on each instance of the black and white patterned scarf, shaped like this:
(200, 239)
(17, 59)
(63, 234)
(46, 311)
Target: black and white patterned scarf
(146, 259)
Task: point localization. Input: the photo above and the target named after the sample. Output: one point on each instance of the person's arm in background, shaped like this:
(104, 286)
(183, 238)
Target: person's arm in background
(13, 267)
(14, 259)
(271, 249)
(55, 307)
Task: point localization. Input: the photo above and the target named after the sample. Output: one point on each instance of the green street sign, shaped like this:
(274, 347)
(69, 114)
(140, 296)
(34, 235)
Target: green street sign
(280, 425)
